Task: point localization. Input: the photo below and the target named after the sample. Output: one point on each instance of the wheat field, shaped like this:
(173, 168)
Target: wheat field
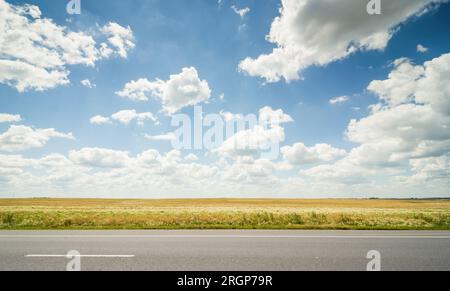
(224, 214)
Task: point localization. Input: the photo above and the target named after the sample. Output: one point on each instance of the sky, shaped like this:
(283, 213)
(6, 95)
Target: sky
(345, 103)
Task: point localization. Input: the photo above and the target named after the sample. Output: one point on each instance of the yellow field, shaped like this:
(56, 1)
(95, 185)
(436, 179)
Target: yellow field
(224, 214)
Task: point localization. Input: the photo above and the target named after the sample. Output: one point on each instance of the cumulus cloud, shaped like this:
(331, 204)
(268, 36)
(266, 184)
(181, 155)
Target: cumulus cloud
(54, 162)
(435, 69)
(127, 116)
(299, 154)
(48, 49)
(252, 141)
(414, 119)
(138, 90)
(87, 83)
(9, 118)
(434, 168)
(406, 131)
(152, 174)
(401, 84)
(15, 161)
(121, 38)
(318, 32)
(247, 171)
(99, 158)
(342, 172)
(99, 120)
(260, 138)
(24, 76)
(106, 172)
(181, 90)
(422, 49)
(20, 138)
(269, 116)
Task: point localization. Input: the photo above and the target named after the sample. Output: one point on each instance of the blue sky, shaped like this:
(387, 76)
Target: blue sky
(171, 35)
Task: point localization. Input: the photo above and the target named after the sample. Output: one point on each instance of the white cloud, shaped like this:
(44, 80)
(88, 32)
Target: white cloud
(252, 141)
(299, 154)
(400, 86)
(240, 11)
(99, 158)
(421, 49)
(406, 132)
(14, 161)
(228, 116)
(151, 174)
(87, 83)
(149, 157)
(415, 120)
(427, 84)
(99, 120)
(318, 32)
(6, 174)
(260, 138)
(24, 76)
(35, 52)
(54, 161)
(127, 116)
(247, 171)
(121, 38)
(182, 90)
(20, 138)
(342, 172)
(269, 116)
(10, 118)
(339, 100)
(431, 168)
(137, 90)
(163, 137)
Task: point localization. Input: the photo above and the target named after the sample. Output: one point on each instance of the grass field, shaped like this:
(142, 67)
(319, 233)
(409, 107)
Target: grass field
(224, 214)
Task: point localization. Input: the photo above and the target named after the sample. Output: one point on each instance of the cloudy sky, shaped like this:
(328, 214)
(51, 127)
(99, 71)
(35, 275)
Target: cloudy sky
(362, 102)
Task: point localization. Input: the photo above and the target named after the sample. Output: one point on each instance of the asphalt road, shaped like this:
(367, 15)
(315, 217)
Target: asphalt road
(224, 250)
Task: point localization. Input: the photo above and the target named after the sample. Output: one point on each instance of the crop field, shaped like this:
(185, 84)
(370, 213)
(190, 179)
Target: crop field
(224, 214)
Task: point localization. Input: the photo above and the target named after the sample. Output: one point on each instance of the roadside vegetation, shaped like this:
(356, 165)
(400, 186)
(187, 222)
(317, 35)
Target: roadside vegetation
(224, 214)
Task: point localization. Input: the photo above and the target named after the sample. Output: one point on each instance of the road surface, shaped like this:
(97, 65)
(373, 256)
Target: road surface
(224, 250)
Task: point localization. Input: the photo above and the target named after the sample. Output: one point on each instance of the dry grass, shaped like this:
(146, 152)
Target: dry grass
(224, 214)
